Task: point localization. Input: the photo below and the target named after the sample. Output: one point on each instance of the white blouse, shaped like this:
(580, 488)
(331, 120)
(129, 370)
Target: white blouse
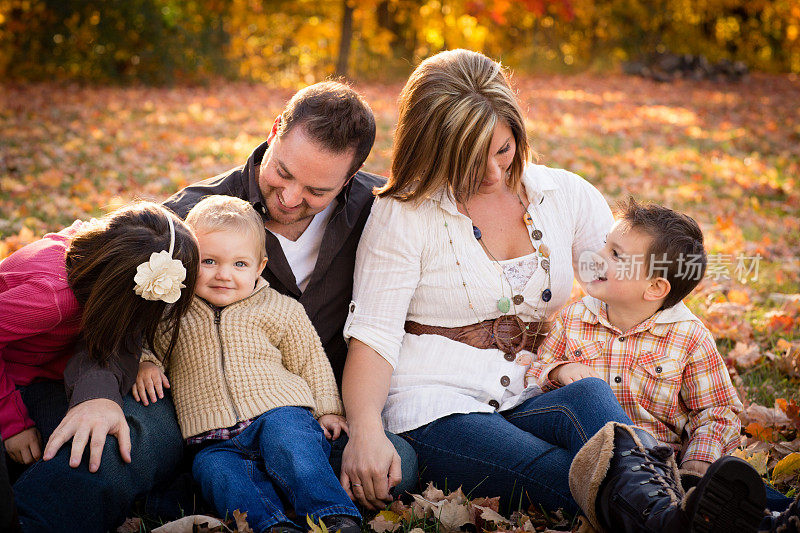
(406, 270)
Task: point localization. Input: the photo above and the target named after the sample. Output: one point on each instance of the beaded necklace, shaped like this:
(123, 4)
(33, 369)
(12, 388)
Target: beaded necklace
(504, 304)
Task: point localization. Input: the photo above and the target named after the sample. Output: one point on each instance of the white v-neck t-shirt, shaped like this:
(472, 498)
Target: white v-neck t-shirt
(302, 253)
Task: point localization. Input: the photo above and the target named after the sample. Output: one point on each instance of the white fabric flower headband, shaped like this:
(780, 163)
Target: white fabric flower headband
(160, 278)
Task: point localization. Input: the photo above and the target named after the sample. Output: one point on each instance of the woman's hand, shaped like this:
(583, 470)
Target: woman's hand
(332, 426)
(25, 447)
(572, 372)
(370, 468)
(150, 381)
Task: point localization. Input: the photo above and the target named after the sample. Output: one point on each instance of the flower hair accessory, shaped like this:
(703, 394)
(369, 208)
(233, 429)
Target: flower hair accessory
(160, 278)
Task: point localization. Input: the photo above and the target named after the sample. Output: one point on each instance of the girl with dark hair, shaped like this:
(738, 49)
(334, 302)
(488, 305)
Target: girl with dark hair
(111, 280)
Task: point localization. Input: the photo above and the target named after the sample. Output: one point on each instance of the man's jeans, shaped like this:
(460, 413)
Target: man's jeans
(281, 457)
(52, 496)
(522, 455)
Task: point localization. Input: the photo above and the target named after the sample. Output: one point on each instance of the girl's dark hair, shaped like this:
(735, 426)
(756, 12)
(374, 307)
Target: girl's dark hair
(101, 263)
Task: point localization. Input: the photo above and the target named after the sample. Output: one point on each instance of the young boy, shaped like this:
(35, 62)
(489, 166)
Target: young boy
(634, 331)
(249, 377)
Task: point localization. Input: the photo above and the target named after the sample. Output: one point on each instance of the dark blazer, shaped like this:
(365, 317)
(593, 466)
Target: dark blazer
(327, 295)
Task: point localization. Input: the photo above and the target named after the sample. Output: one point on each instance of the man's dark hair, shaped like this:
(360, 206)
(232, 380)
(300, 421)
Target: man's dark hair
(335, 116)
(676, 248)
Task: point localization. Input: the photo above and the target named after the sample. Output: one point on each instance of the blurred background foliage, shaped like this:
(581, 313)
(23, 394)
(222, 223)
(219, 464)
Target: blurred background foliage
(291, 42)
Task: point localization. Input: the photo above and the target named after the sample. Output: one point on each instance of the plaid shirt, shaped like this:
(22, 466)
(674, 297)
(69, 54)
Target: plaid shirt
(221, 433)
(666, 373)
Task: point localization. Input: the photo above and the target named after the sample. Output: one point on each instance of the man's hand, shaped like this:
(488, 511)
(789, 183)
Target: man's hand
(572, 372)
(332, 426)
(92, 419)
(150, 381)
(370, 467)
(699, 467)
(25, 447)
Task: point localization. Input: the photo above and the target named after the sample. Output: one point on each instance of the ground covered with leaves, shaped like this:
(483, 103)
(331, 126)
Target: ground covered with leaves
(726, 154)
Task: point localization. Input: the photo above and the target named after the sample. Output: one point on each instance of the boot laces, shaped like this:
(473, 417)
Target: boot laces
(654, 463)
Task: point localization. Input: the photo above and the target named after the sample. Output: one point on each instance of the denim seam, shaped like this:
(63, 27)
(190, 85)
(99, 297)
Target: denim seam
(278, 515)
(338, 509)
(493, 465)
(556, 408)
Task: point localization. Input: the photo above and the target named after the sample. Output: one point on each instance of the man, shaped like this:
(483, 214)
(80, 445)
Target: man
(306, 184)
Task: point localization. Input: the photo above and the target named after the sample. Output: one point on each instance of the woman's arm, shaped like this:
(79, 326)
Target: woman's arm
(370, 464)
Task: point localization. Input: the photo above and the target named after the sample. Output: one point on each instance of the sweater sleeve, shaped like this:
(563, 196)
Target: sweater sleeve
(26, 310)
(303, 355)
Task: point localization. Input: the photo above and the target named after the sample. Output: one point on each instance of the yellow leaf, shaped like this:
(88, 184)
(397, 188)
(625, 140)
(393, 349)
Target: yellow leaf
(316, 528)
(787, 468)
(389, 516)
(758, 461)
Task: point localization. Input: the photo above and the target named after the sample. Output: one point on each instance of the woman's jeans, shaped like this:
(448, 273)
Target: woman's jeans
(52, 496)
(282, 457)
(522, 455)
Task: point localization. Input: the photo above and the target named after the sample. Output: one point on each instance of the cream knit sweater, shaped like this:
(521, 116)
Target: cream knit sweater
(240, 361)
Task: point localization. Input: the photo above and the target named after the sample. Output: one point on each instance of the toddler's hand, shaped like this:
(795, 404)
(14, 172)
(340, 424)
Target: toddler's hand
(572, 372)
(25, 447)
(150, 381)
(333, 425)
(699, 467)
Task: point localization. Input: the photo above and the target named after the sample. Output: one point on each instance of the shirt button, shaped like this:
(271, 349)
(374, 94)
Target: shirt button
(658, 369)
(494, 403)
(510, 356)
(618, 379)
(504, 381)
(622, 339)
(577, 353)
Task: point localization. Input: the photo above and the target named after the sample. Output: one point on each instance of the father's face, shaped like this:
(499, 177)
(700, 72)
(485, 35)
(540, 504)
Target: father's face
(298, 178)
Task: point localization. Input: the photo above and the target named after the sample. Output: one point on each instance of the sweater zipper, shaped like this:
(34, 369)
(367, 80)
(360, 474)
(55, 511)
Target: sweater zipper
(217, 321)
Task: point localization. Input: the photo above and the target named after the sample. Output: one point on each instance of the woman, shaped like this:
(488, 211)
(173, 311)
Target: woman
(469, 251)
(113, 281)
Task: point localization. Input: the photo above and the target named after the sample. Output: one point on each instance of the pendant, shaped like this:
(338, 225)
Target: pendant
(544, 251)
(518, 299)
(545, 265)
(528, 219)
(537, 235)
(503, 304)
(476, 232)
(546, 295)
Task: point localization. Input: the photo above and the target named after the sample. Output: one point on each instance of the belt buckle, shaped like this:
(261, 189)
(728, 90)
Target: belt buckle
(502, 342)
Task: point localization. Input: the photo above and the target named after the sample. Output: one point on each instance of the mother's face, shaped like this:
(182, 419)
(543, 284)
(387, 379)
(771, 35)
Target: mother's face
(501, 153)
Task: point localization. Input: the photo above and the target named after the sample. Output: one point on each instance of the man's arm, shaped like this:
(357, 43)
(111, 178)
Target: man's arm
(95, 408)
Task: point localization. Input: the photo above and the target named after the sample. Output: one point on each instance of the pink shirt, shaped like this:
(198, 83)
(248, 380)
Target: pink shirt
(39, 322)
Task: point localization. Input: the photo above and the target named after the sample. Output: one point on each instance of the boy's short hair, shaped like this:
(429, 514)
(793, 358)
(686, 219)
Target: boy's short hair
(676, 250)
(221, 213)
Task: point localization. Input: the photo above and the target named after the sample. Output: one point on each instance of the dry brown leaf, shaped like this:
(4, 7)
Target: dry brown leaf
(453, 515)
(241, 522)
(744, 355)
(491, 503)
(131, 525)
(456, 496)
(433, 494)
(187, 523)
(490, 515)
(767, 417)
(423, 507)
(385, 521)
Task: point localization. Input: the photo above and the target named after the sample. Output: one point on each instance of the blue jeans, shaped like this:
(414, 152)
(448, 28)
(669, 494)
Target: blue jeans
(281, 456)
(52, 496)
(522, 455)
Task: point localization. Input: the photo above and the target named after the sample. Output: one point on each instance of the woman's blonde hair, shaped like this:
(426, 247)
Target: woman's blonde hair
(448, 111)
(222, 213)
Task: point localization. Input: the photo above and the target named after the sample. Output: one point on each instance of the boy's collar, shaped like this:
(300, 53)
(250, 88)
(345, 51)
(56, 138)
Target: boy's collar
(658, 323)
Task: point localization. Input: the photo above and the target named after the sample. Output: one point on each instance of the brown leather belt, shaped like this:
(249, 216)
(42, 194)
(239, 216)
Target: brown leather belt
(508, 333)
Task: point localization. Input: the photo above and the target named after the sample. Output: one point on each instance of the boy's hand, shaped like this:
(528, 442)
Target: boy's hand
(695, 466)
(25, 447)
(150, 381)
(572, 372)
(333, 425)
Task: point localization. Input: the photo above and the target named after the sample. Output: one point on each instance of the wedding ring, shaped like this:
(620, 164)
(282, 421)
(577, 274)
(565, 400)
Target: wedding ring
(355, 484)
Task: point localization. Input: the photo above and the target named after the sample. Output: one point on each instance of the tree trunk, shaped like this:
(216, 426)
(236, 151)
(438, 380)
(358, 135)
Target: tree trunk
(346, 38)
